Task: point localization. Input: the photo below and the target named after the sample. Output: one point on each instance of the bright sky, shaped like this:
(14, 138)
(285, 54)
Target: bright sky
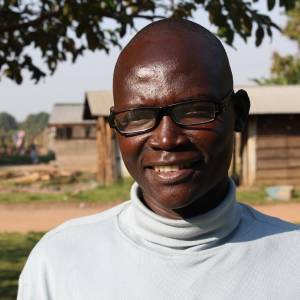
(94, 71)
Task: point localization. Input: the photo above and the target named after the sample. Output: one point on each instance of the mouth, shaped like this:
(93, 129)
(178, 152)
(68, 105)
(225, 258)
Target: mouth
(176, 172)
(175, 167)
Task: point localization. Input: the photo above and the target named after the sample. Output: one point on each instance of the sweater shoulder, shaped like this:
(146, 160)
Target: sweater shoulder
(261, 226)
(270, 221)
(68, 241)
(87, 224)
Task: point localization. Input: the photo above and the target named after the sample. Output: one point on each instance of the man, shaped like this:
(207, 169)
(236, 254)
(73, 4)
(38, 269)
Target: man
(182, 235)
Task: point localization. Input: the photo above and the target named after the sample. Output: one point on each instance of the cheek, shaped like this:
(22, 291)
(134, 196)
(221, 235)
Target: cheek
(214, 141)
(221, 145)
(130, 148)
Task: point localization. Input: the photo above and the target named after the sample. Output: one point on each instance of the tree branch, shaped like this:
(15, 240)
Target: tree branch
(35, 22)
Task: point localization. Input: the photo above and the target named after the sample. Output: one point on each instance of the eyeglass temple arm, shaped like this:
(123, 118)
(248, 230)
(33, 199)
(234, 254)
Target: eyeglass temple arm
(111, 118)
(221, 107)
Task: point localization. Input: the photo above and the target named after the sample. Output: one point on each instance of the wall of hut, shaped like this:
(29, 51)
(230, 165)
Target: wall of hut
(74, 146)
(271, 150)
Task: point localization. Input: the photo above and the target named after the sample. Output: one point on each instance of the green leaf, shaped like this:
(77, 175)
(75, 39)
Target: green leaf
(259, 36)
(271, 4)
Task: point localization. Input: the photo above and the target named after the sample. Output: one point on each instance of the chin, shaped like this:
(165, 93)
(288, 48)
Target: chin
(175, 198)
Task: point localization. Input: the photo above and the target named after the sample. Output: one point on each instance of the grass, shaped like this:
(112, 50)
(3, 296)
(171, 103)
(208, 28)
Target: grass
(257, 196)
(21, 197)
(116, 192)
(14, 250)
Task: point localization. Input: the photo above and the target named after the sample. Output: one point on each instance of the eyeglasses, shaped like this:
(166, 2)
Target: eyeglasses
(185, 114)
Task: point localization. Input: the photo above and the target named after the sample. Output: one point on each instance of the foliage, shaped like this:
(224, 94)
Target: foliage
(35, 123)
(292, 29)
(10, 160)
(286, 68)
(14, 250)
(7, 122)
(63, 29)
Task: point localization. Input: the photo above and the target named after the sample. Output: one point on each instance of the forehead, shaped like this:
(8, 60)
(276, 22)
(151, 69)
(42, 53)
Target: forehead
(150, 73)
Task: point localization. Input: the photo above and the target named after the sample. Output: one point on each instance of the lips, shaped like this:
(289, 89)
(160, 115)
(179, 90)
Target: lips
(174, 172)
(173, 168)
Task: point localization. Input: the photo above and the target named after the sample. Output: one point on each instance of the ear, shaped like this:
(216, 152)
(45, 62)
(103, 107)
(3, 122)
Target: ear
(241, 105)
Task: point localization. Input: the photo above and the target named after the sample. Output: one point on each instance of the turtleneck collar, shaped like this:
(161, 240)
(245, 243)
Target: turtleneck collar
(201, 232)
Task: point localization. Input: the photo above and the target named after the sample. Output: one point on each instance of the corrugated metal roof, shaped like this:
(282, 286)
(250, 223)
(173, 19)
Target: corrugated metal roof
(273, 99)
(68, 113)
(98, 102)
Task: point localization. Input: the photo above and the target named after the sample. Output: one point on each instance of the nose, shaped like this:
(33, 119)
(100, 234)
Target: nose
(168, 136)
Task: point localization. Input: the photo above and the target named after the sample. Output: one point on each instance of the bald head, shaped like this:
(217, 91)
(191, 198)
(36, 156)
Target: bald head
(184, 30)
(170, 48)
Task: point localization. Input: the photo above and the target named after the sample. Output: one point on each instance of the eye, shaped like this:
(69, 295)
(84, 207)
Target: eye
(194, 113)
(135, 120)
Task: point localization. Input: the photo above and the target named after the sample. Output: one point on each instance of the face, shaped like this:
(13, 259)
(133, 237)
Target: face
(174, 166)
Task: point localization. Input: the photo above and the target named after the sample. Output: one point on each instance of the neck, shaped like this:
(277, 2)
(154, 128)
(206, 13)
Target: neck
(198, 207)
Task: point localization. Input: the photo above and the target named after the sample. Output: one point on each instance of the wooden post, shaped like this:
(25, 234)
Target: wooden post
(108, 165)
(112, 168)
(249, 155)
(238, 159)
(106, 156)
(100, 150)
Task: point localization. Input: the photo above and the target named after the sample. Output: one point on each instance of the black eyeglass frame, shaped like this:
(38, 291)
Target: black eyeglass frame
(220, 107)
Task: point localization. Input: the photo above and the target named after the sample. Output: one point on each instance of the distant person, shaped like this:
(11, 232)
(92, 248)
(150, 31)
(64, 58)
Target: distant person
(183, 235)
(33, 154)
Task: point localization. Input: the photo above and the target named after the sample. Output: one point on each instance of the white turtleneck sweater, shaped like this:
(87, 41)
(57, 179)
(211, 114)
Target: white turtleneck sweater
(232, 252)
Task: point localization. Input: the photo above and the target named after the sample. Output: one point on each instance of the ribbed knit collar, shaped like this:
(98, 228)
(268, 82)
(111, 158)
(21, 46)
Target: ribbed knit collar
(192, 234)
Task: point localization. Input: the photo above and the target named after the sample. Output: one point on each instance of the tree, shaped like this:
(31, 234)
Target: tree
(63, 29)
(35, 123)
(286, 69)
(7, 122)
(292, 29)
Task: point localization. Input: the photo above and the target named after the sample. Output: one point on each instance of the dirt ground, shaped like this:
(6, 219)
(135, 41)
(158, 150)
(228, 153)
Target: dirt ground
(42, 217)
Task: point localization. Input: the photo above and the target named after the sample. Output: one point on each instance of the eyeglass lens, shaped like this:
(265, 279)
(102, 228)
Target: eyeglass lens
(141, 119)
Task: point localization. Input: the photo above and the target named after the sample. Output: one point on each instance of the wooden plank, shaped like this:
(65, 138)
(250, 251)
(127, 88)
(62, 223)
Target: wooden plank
(278, 181)
(109, 172)
(271, 142)
(270, 163)
(105, 151)
(278, 141)
(271, 154)
(249, 155)
(278, 173)
(279, 153)
(101, 150)
(293, 152)
(293, 140)
(98, 143)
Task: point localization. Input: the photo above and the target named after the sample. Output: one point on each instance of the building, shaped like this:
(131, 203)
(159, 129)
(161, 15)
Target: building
(269, 151)
(110, 165)
(71, 138)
